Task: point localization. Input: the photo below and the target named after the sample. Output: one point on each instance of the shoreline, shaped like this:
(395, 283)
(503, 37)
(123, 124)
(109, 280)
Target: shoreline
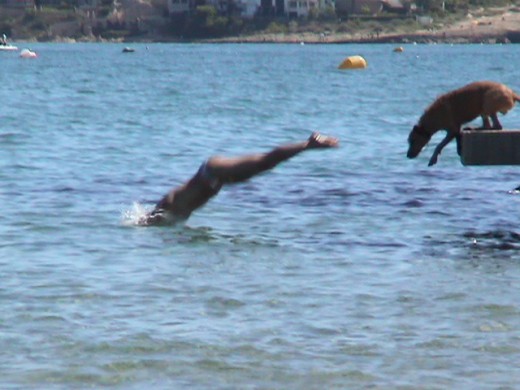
(419, 37)
(396, 38)
(489, 26)
(501, 28)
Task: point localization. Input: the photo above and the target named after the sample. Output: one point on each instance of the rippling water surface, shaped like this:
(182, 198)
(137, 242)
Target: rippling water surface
(346, 268)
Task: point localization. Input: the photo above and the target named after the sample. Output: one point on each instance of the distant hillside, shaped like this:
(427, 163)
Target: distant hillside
(141, 20)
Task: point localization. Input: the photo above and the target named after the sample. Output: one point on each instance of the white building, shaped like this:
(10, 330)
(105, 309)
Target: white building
(300, 8)
(249, 8)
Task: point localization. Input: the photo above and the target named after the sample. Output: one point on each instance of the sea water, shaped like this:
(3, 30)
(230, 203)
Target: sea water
(345, 268)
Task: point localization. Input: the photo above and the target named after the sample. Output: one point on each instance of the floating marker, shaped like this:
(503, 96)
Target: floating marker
(26, 53)
(353, 62)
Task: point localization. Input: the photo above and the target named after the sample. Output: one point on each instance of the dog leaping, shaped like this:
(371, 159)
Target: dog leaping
(453, 109)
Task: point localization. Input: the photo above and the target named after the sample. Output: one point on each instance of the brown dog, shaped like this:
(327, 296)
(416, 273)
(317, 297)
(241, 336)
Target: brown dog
(451, 110)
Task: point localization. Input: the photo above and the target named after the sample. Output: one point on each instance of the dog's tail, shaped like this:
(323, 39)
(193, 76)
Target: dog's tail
(516, 97)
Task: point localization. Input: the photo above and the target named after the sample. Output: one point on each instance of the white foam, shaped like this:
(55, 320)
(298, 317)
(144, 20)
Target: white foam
(135, 215)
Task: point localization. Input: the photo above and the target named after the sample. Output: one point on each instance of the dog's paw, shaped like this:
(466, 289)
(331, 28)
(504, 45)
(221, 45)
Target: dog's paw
(433, 161)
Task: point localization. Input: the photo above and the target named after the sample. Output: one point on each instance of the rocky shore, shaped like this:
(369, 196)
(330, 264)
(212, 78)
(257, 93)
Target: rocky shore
(498, 25)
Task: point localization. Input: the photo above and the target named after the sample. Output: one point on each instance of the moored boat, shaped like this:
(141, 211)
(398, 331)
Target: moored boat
(4, 46)
(8, 48)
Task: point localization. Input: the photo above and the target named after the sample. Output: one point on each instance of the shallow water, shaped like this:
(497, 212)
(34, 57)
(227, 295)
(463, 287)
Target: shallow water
(345, 268)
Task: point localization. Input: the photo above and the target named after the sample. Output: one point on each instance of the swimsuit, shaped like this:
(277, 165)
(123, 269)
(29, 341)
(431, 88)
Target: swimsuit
(204, 180)
(205, 173)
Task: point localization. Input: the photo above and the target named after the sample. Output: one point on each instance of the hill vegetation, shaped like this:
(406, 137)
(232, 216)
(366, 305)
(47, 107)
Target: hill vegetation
(205, 23)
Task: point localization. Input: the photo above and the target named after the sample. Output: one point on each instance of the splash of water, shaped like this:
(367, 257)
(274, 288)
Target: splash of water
(135, 215)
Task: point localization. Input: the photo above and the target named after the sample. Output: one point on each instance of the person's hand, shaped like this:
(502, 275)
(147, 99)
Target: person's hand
(317, 140)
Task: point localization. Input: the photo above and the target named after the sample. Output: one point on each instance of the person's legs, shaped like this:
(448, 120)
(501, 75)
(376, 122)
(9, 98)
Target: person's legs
(232, 170)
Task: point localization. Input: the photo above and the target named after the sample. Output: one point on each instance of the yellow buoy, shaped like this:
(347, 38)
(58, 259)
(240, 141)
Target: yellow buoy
(353, 62)
(399, 49)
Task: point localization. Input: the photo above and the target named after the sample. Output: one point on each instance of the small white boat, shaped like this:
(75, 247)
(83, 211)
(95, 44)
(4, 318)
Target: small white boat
(8, 48)
(4, 46)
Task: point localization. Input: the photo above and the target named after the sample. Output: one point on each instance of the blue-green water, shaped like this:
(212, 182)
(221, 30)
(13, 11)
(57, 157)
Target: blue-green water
(346, 268)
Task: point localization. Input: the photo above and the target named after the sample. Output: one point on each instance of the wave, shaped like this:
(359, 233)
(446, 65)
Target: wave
(496, 239)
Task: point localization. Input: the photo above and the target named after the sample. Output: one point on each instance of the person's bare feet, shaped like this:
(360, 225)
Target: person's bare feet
(317, 140)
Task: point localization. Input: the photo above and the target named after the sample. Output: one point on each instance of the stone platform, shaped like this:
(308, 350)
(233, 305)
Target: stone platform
(490, 147)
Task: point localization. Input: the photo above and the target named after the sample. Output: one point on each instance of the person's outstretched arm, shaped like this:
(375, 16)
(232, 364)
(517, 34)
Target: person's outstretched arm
(232, 170)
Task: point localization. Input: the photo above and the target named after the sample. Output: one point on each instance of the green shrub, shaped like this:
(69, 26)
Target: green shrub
(276, 28)
(114, 34)
(322, 14)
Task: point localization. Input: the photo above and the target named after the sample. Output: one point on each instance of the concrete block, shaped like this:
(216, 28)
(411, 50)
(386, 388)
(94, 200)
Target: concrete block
(490, 147)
